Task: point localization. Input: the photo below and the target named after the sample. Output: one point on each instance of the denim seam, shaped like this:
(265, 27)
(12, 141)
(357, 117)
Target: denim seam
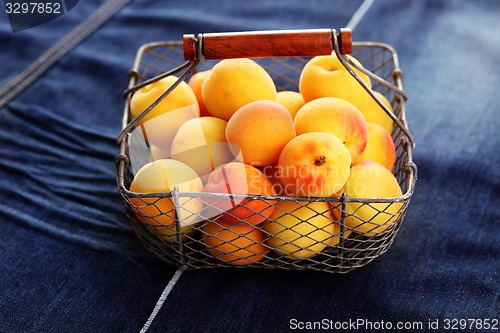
(21, 81)
(170, 285)
(359, 13)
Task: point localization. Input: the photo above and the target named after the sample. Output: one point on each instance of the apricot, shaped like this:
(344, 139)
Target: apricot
(272, 172)
(201, 144)
(162, 122)
(314, 164)
(169, 233)
(375, 114)
(299, 230)
(325, 76)
(236, 178)
(240, 244)
(234, 83)
(195, 83)
(158, 153)
(260, 130)
(291, 100)
(369, 179)
(337, 216)
(161, 176)
(380, 147)
(336, 116)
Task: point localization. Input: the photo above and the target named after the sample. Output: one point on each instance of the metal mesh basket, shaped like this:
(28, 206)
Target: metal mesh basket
(200, 240)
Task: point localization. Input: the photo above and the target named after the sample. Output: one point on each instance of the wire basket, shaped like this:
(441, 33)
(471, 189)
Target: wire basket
(199, 240)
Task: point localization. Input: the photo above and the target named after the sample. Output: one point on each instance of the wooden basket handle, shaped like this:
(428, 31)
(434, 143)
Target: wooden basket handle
(263, 44)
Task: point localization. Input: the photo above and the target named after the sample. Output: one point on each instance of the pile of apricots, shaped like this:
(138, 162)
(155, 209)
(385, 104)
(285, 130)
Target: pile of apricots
(229, 131)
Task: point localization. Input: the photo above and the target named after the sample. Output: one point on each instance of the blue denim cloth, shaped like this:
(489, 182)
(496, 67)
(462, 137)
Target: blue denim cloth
(70, 261)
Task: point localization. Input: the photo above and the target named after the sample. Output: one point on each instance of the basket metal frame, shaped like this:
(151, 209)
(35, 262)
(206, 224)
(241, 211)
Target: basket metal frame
(350, 253)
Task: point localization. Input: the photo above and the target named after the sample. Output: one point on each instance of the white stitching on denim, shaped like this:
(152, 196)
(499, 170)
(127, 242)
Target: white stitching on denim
(56, 51)
(162, 298)
(359, 13)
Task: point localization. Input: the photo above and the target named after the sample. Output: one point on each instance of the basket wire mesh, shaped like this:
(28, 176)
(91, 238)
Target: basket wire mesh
(202, 240)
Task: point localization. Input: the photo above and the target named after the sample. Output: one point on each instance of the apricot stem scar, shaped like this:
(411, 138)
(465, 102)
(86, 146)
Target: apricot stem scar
(320, 160)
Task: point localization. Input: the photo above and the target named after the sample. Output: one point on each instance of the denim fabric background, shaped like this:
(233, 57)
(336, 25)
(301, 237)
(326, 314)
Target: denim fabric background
(69, 261)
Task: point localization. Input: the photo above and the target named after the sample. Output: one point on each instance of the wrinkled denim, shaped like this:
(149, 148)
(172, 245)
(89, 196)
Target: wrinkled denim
(70, 261)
